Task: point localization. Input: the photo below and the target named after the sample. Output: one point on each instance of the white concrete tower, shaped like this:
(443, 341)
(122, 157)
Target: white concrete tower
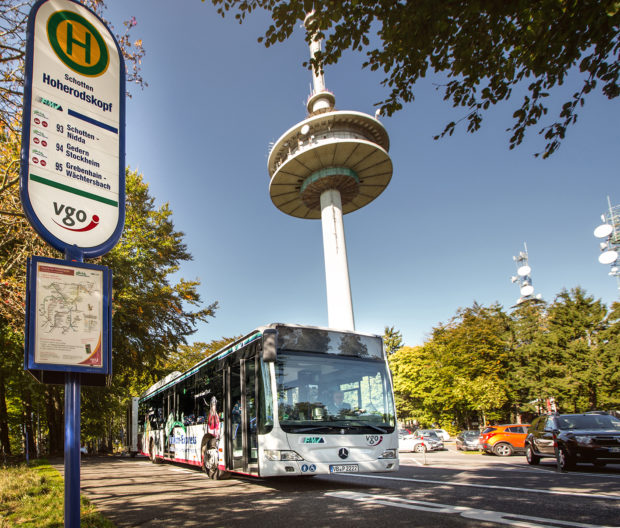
(332, 163)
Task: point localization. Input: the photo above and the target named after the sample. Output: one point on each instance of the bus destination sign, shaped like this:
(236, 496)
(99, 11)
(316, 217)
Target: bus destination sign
(72, 173)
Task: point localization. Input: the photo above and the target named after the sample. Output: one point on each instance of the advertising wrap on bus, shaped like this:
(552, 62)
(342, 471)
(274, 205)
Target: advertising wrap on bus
(283, 400)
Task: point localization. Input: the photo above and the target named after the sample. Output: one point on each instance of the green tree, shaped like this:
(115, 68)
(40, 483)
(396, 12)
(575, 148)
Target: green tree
(577, 325)
(153, 316)
(529, 362)
(412, 381)
(18, 392)
(392, 339)
(486, 50)
(20, 397)
(458, 375)
(609, 360)
(485, 365)
(477, 347)
(187, 356)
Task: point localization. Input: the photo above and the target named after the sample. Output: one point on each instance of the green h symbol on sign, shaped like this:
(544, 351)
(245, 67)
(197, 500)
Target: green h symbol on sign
(71, 41)
(65, 30)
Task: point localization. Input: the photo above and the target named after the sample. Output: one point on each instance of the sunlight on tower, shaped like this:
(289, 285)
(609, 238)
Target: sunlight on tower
(332, 163)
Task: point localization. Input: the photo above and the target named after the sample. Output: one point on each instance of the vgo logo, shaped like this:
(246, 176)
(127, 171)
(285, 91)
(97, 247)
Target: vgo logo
(374, 440)
(70, 217)
(77, 43)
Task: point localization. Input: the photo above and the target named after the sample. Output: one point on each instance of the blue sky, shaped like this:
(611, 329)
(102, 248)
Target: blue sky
(441, 236)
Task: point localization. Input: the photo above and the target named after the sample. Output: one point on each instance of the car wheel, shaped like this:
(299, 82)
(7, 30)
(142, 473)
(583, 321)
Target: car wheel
(503, 449)
(531, 458)
(565, 461)
(420, 448)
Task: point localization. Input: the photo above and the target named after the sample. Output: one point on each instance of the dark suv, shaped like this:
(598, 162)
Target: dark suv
(591, 437)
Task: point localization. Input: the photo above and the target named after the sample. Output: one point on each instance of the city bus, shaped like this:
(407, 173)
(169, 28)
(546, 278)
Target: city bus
(282, 400)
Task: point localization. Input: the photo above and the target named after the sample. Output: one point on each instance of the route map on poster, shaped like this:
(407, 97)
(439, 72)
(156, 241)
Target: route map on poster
(69, 315)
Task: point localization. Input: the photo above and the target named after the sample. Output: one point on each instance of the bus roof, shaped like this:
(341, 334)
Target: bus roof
(255, 334)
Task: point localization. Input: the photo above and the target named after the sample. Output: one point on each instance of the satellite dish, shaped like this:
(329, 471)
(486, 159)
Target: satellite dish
(524, 270)
(526, 290)
(608, 257)
(603, 231)
(304, 130)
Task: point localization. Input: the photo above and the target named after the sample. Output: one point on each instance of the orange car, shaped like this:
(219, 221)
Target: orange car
(504, 440)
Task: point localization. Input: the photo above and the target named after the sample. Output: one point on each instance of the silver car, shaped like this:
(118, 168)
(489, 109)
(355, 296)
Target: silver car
(420, 441)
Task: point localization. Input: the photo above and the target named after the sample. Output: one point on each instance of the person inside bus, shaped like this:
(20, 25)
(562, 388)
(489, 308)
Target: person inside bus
(337, 404)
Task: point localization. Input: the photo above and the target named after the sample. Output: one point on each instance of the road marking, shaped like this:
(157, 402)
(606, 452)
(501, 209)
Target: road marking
(511, 519)
(490, 486)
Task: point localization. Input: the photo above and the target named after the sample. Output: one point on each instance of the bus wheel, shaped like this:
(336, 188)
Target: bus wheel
(209, 460)
(152, 452)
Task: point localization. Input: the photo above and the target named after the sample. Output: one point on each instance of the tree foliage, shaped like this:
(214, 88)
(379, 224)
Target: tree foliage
(20, 396)
(392, 339)
(485, 49)
(153, 315)
(488, 365)
(186, 356)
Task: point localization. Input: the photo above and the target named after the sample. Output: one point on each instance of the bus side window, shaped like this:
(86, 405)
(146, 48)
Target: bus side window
(209, 383)
(201, 395)
(156, 411)
(186, 391)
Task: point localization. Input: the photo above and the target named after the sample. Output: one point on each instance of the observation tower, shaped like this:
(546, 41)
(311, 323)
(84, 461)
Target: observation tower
(332, 163)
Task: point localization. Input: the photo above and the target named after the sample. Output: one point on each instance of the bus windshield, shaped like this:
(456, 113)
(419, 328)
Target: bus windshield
(337, 394)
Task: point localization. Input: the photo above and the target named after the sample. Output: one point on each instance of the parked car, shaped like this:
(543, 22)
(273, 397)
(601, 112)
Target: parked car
(419, 442)
(504, 440)
(443, 434)
(431, 438)
(468, 441)
(572, 438)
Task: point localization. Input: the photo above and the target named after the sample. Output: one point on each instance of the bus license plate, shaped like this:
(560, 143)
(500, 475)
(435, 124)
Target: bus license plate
(344, 468)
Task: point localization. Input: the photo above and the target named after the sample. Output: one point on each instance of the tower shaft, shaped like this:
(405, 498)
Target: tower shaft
(339, 302)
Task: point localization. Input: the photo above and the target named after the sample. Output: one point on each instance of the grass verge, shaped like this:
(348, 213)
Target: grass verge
(32, 496)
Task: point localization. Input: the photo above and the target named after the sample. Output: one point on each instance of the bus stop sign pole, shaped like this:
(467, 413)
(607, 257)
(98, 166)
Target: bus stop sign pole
(72, 450)
(72, 432)
(72, 189)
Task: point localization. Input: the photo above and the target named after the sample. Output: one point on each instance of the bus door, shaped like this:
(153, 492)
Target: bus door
(241, 439)
(170, 415)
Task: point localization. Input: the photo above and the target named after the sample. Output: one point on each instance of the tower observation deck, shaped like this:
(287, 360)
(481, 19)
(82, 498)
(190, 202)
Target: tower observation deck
(332, 163)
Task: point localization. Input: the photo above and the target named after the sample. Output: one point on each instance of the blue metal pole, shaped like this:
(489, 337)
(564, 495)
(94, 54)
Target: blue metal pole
(72, 433)
(72, 450)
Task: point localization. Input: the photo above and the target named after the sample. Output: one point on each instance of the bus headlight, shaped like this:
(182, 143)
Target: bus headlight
(276, 454)
(388, 453)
